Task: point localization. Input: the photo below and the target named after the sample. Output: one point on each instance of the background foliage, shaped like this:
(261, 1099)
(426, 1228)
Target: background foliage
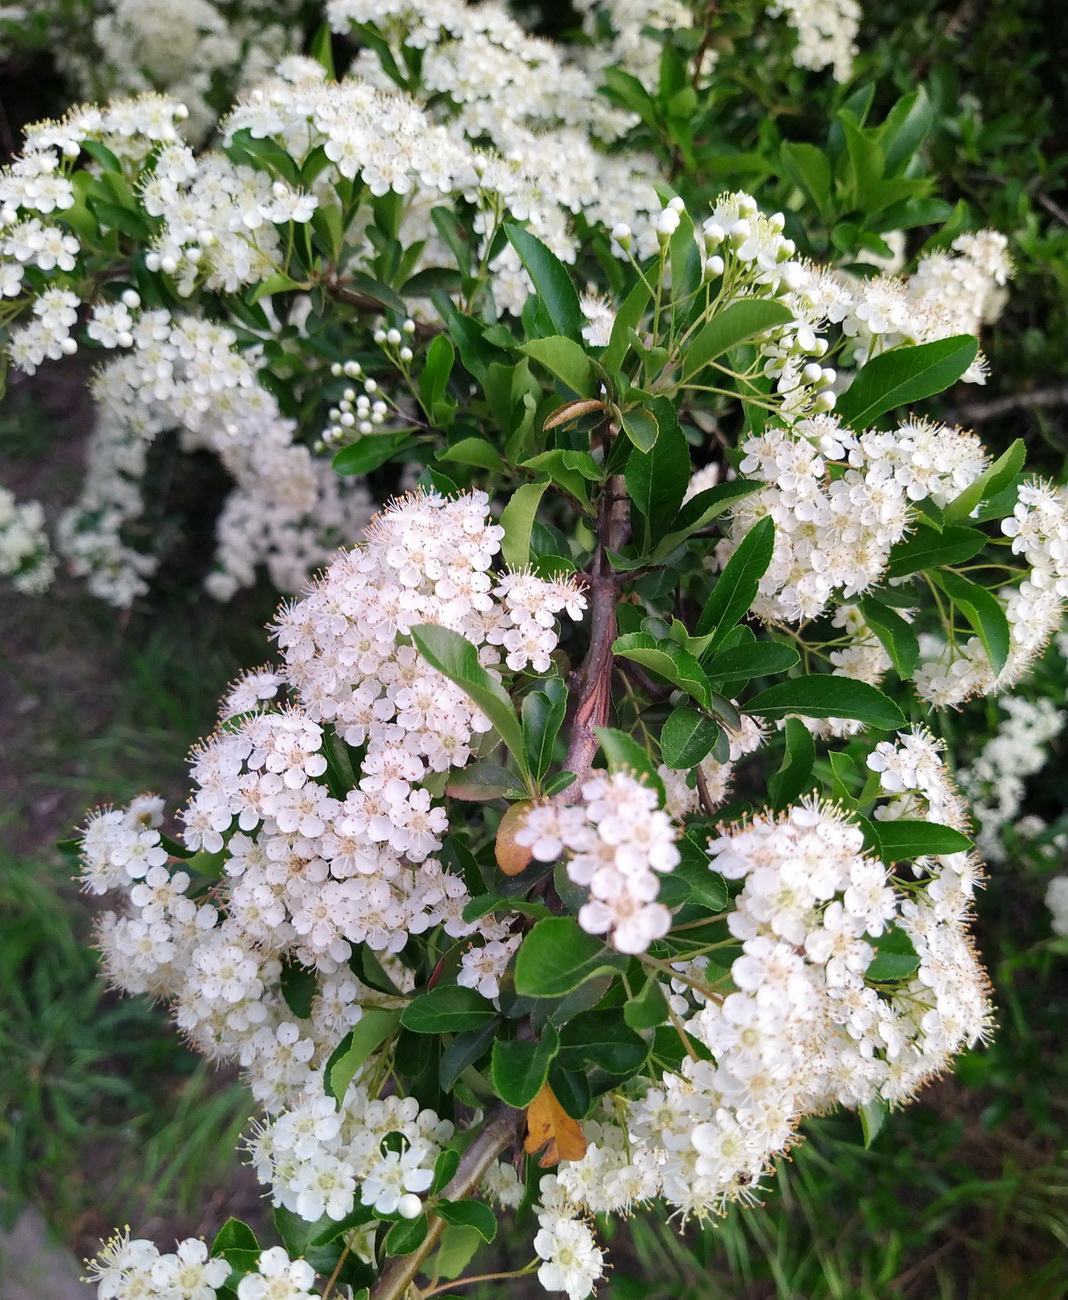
(963, 1195)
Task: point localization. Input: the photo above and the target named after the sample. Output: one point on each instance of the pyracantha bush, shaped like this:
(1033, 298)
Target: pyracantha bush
(592, 827)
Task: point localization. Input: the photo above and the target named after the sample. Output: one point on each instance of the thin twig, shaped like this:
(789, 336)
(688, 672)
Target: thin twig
(977, 412)
(500, 1132)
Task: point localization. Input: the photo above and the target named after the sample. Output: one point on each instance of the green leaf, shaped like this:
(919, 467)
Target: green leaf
(983, 611)
(738, 323)
(646, 1009)
(872, 1116)
(469, 1214)
(519, 1069)
(551, 279)
(517, 520)
(905, 375)
(475, 451)
(445, 1167)
(641, 428)
(406, 1235)
(687, 737)
(480, 782)
(565, 359)
(321, 50)
(744, 662)
(820, 695)
(557, 956)
(992, 481)
(737, 586)
(299, 985)
(457, 659)
(433, 382)
(903, 838)
(623, 751)
(695, 513)
(370, 452)
(458, 1246)
(602, 1038)
(448, 1009)
(275, 283)
(808, 168)
(464, 1050)
(360, 282)
(895, 957)
(706, 887)
(794, 776)
(656, 480)
(570, 470)
(627, 318)
(233, 1235)
(367, 1035)
(897, 637)
(669, 660)
(543, 716)
(482, 904)
(929, 548)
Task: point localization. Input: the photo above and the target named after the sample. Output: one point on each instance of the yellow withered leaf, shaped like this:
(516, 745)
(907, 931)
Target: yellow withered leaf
(512, 858)
(550, 1126)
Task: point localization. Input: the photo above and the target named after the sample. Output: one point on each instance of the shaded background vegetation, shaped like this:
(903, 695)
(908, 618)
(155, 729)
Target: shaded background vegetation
(103, 1113)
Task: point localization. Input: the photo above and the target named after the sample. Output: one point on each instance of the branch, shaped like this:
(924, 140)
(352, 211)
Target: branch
(500, 1132)
(977, 412)
(594, 684)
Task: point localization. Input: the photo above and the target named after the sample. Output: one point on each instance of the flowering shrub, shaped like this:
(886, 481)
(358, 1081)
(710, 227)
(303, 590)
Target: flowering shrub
(590, 819)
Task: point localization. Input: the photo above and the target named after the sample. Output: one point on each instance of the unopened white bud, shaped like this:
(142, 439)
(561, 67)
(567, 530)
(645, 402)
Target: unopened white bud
(335, 369)
(747, 205)
(409, 1206)
(371, 385)
(828, 375)
(677, 204)
(131, 298)
(393, 337)
(740, 232)
(715, 265)
(347, 421)
(792, 275)
(365, 426)
(666, 224)
(125, 339)
(408, 326)
(68, 347)
(152, 261)
(406, 354)
(776, 221)
(621, 233)
(353, 369)
(70, 149)
(825, 401)
(379, 336)
(168, 265)
(812, 373)
(714, 235)
(193, 255)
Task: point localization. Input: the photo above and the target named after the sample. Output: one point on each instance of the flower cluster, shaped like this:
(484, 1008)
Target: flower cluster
(618, 840)
(1034, 609)
(316, 1153)
(147, 45)
(25, 555)
(996, 779)
(125, 1267)
(311, 869)
(826, 33)
(811, 1020)
(834, 533)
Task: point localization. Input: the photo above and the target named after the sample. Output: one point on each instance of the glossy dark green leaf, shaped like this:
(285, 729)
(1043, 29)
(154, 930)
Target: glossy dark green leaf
(738, 323)
(551, 279)
(557, 956)
(687, 737)
(737, 586)
(821, 695)
(904, 838)
(794, 776)
(667, 659)
(367, 1035)
(930, 548)
(457, 659)
(470, 1214)
(905, 375)
(448, 1009)
(624, 752)
(983, 611)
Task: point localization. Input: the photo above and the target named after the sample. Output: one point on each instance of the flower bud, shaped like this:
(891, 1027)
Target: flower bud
(409, 1206)
(621, 233)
